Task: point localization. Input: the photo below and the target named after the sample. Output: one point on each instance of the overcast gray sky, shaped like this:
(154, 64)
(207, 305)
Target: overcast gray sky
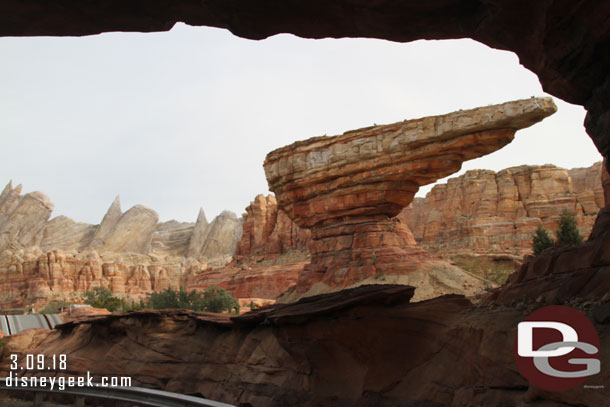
(184, 119)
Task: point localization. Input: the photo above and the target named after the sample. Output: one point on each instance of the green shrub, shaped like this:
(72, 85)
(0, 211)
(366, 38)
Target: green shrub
(213, 299)
(180, 299)
(567, 232)
(216, 299)
(101, 297)
(53, 307)
(541, 240)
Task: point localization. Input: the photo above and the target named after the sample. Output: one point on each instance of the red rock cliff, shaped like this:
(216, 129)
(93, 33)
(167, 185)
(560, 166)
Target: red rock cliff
(496, 213)
(268, 232)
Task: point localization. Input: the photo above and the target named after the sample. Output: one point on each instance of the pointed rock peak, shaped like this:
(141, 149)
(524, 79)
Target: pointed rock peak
(201, 217)
(18, 189)
(114, 211)
(116, 203)
(8, 188)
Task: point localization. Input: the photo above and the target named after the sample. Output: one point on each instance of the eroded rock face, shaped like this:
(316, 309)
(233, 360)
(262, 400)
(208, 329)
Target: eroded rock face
(368, 346)
(130, 253)
(484, 212)
(562, 274)
(22, 217)
(268, 232)
(347, 188)
(24, 220)
(109, 222)
(172, 237)
(263, 281)
(216, 240)
(35, 278)
(63, 232)
(133, 232)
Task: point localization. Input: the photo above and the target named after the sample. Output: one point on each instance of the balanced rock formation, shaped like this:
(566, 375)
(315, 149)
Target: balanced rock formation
(487, 213)
(347, 188)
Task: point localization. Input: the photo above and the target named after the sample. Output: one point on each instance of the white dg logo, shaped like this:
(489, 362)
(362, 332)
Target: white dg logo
(525, 343)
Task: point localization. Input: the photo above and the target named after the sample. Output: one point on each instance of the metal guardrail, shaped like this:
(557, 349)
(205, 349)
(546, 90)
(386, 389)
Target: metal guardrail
(13, 324)
(139, 395)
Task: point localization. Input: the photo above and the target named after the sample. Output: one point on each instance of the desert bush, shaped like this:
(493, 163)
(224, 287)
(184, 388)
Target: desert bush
(213, 299)
(53, 307)
(541, 240)
(101, 297)
(567, 231)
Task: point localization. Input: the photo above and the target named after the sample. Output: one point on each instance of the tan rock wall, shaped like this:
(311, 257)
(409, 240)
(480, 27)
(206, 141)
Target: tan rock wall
(22, 217)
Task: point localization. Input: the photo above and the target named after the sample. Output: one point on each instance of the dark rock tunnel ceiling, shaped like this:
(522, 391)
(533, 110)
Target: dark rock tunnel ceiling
(565, 42)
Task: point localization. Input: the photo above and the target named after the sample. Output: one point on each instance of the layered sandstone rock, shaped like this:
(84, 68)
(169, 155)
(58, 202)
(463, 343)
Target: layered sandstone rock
(130, 253)
(109, 221)
(347, 188)
(132, 232)
(200, 233)
(561, 274)
(223, 236)
(24, 224)
(487, 213)
(269, 233)
(260, 281)
(370, 346)
(172, 237)
(22, 217)
(35, 278)
(217, 240)
(62, 232)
